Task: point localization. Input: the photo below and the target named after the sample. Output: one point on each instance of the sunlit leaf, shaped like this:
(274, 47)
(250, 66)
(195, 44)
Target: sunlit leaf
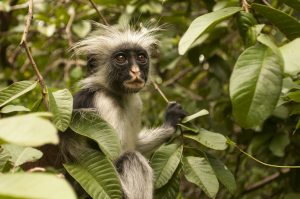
(171, 189)
(202, 24)
(89, 124)
(255, 85)
(34, 185)
(290, 53)
(164, 163)
(13, 108)
(15, 90)
(20, 155)
(27, 130)
(198, 171)
(82, 28)
(195, 115)
(61, 105)
(209, 139)
(96, 174)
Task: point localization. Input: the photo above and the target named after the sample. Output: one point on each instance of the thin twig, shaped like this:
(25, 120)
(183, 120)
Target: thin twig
(160, 92)
(178, 76)
(28, 22)
(68, 27)
(245, 5)
(230, 142)
(265, 181)
(99, 13)
(266, 2)
(23, 43)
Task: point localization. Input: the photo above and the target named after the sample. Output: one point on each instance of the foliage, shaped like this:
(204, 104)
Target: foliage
(239, 62)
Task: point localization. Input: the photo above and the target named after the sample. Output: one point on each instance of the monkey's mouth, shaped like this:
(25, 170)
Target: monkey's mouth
(134, 84)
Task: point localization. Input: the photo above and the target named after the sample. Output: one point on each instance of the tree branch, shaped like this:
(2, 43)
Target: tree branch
(265, 181)
(99, 13)
(23, 43)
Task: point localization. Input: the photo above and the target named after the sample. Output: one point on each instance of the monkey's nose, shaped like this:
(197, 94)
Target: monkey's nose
(135, 71)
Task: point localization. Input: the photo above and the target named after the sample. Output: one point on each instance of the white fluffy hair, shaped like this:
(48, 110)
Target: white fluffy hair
(106, 39)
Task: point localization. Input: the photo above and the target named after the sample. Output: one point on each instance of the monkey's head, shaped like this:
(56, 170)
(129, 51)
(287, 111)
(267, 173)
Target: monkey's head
(118, 58)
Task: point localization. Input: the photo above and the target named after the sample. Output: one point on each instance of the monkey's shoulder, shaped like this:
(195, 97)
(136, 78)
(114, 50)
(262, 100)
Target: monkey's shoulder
(84, 99)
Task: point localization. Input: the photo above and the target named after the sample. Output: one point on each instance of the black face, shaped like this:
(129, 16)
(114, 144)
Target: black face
(129, 71)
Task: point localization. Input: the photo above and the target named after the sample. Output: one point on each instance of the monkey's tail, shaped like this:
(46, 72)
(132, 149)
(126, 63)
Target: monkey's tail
(136, 176)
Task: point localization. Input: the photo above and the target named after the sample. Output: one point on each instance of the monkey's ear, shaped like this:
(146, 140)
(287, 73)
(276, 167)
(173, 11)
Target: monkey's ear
(91, 64)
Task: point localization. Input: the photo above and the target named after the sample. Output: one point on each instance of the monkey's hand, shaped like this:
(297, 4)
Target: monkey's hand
(174, 114)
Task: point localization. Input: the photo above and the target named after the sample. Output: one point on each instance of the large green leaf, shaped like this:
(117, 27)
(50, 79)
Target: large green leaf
(89, 124)
(171, 189)
(96, 174)
(13, 108)
(34, 185)
(61, 105)
(255, 85)
(15, 90)
(27, 130)
(293, 3)
(164, 163)
(202, 24)
(198, 171)
(223, 174)
(290, 53)
(209, 139)
(20, 155)
(285, 23)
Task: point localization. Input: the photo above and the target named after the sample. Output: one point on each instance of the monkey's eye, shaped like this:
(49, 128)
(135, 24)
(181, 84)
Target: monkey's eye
(120, 59)
(142, 58)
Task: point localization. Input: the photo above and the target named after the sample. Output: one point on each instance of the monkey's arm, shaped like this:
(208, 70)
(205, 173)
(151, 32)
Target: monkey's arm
(151, 139)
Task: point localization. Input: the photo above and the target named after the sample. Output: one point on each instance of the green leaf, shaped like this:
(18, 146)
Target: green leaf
(164, 163)
(4, 157)
(89, 124)
(255, 85)
(34, 185)
(27, 130)
(195, 115)
(171, 189)
(279, 143)
(223, 174)
(13, 108)
(82, 28)
(20, 155)
(209, 139)
(194, 130)
(47, 30)
(198, 171)
(293, 4)
(202, 24)
(15, 90)
(96, 174)
(61, 105)
(294, 96)
(290, 54)
(285, 23)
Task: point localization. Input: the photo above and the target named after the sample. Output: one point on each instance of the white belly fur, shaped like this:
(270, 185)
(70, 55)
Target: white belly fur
(125, 120)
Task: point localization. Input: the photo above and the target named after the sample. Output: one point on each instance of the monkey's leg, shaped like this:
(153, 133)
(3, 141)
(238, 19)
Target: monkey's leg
(135, 175)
